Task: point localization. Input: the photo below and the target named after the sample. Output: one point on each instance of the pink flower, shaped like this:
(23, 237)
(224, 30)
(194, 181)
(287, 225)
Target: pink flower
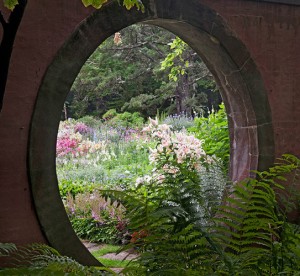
(153, 122)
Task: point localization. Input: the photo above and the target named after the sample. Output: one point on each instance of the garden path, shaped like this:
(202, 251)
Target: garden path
(126, 255)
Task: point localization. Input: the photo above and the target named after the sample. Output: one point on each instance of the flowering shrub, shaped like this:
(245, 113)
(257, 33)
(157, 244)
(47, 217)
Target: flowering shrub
(82, 128)
(96, 218)
(71, 142)
(181, 164)
(174, 151)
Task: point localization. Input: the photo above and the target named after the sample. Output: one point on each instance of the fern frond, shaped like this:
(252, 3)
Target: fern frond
(7, 248)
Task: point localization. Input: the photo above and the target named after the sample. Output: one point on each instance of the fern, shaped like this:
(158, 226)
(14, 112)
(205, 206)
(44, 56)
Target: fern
(7, 248)
(40, 259)
(249, 235)
(250, 226)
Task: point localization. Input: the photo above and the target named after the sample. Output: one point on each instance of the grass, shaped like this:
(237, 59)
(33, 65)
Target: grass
(108, 262)
(106, 249)
(114, 263)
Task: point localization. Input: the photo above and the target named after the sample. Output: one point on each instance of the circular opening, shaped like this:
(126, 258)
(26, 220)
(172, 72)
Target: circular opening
(227, 58)
(101, 143)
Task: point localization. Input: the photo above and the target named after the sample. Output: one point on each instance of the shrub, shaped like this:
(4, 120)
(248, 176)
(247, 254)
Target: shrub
(90, 121)
(74, 187)
(179, 121)
(96, 218)
(213, 131)
(108, 115)
(127, 120)
(40, 259)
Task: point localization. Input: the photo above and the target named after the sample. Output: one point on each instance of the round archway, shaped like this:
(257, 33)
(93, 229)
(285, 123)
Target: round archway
(225, 55)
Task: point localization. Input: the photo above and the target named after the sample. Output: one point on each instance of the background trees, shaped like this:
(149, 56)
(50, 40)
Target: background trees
(143, 69)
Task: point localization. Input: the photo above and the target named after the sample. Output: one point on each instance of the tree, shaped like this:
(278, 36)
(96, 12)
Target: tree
(115, 74)
(133, 70)
(194, 85)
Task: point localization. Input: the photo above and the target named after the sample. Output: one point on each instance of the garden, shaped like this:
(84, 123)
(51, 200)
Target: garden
(157, 194)
(121, 153)
(160, 189)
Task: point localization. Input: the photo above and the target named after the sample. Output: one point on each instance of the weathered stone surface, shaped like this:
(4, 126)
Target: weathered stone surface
(251, 47)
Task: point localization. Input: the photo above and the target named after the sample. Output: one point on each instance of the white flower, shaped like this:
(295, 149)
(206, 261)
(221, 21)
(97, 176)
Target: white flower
(153, 122)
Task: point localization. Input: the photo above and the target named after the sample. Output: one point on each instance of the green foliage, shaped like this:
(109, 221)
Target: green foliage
(115, 74)
(213, 131)
(252, 229)
(7, 248)
(175, 62)
(144, 103)
(109, 114)
(40, 259)
(173, 201)
(127, 3)
(10, 4)
(249, 235)
(163, 218)
(134, 3)
(74, 187)
(92, 230)
(179, 122)
(95, 219)
(127, 76)
(95, 3)
(90, 121)
(125, 119)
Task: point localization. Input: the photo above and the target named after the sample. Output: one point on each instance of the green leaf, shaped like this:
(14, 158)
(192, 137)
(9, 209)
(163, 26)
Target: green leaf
(10, 4)
(95, 3)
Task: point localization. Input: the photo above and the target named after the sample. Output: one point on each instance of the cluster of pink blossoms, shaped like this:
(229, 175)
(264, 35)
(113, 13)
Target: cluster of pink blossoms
(178, 147)
(71, 142)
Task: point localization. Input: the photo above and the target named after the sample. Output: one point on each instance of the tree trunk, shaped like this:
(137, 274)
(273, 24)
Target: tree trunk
(182, 95)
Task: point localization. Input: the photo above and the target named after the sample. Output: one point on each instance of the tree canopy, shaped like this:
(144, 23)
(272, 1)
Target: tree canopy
(143, 69)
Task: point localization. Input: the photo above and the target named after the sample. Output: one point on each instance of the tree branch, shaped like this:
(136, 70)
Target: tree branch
(124, 48)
